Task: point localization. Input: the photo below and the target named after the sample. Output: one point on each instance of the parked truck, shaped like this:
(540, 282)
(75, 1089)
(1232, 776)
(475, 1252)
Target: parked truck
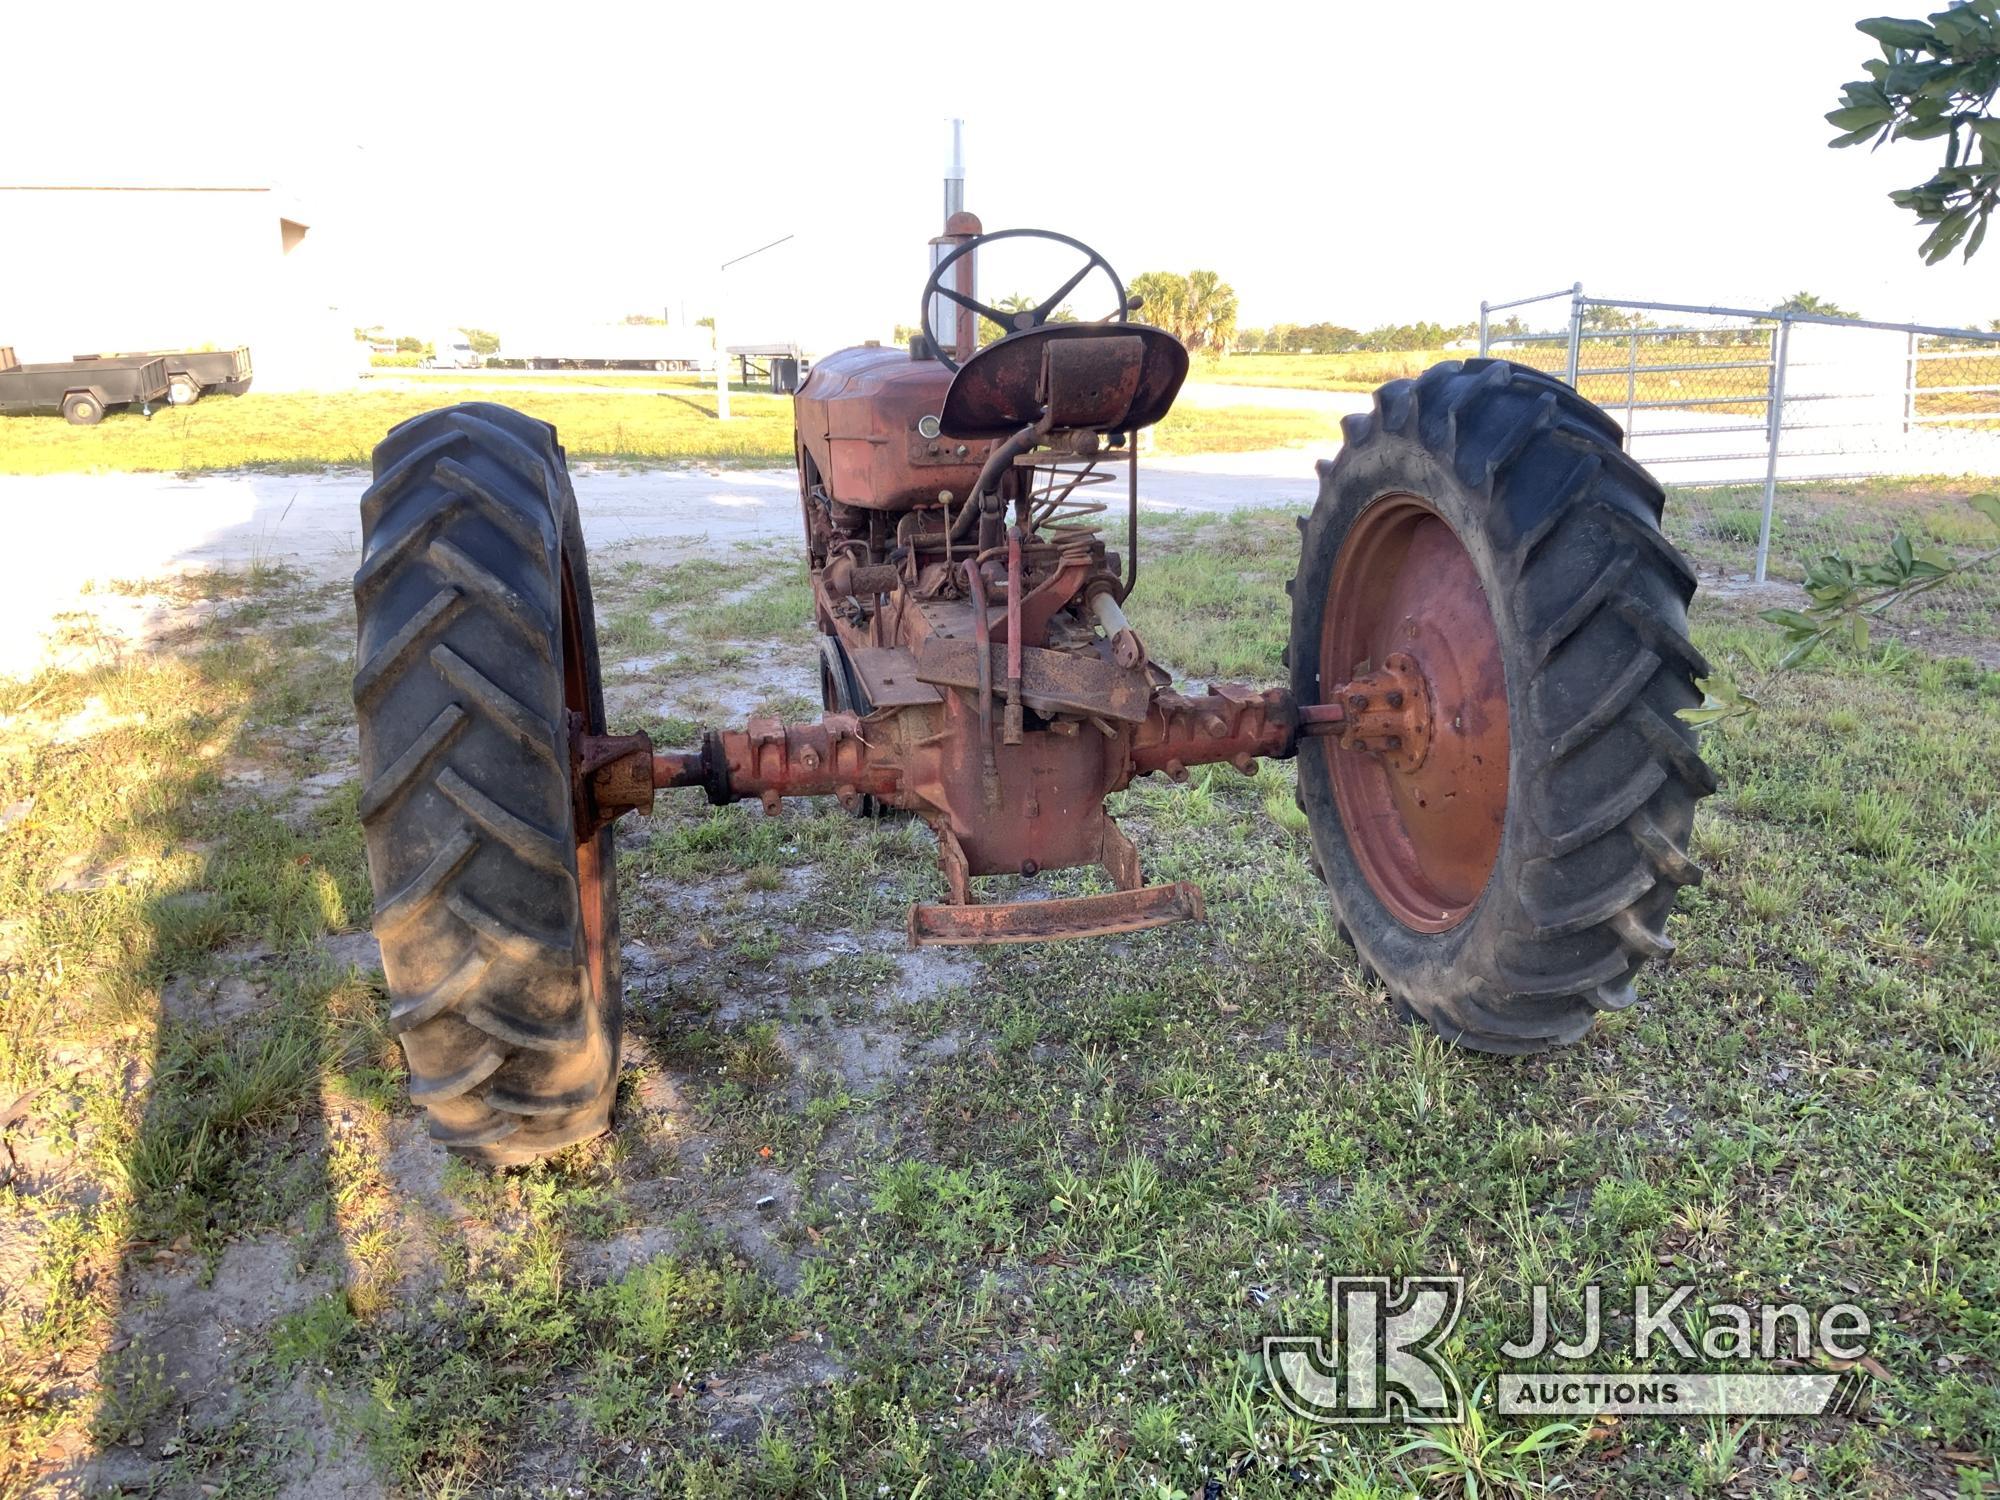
(81, 391)
(453, 351)
(193, 373)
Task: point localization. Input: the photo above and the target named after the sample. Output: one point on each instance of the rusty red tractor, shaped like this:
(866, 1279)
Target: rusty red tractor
(1488, 648)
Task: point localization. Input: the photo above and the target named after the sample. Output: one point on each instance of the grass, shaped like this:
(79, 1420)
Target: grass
(1717, 528)
(594, 379)
(1244, 429)
(1359, 370)
(1613, 380)
(317, 430)
(1030, 1210)
(671, 420)
(1749, 379)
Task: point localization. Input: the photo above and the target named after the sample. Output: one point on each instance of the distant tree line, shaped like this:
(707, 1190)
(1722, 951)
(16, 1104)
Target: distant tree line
(1199, 308)
(405, 343)
(482, 341)
(1333, 338)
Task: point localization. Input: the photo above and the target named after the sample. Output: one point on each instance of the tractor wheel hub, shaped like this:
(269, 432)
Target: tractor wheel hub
(1389, 714)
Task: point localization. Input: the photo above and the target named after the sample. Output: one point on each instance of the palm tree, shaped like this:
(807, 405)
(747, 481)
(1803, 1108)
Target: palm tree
(1199, 308)
(1018, 302)
(1210, 314)
(1807, 302)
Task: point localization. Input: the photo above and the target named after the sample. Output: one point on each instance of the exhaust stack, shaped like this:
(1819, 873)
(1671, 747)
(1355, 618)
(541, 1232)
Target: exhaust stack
(955, 325)
(954, 175)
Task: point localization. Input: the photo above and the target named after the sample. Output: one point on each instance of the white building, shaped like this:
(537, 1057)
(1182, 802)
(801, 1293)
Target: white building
(87, 269)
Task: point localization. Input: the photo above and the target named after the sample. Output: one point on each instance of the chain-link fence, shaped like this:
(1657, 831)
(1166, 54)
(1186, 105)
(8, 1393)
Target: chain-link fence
(1787, 436)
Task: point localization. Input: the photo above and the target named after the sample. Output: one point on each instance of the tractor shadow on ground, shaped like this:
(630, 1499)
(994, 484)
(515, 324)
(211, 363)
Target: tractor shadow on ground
(188, 1185)
(268, 1202)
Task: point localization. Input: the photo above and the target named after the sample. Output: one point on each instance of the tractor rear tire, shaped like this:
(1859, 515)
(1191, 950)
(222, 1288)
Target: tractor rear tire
(478, 653)
(1588, 607)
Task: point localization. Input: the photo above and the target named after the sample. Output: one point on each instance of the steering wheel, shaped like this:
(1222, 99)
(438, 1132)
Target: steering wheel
(1032, 317)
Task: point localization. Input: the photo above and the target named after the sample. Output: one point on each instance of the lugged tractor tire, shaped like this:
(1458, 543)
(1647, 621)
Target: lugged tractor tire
(477, 644)
(1588, 604)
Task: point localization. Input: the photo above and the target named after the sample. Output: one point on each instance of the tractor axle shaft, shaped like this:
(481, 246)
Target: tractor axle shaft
(768, 760)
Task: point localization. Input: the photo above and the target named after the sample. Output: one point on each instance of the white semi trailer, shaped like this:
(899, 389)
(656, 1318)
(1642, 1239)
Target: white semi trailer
(609, 346)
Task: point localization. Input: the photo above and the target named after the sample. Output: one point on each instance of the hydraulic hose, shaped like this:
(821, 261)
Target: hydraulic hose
(997, 463)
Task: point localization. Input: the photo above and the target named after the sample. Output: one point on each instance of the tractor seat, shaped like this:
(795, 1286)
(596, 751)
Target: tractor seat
(1107, 377)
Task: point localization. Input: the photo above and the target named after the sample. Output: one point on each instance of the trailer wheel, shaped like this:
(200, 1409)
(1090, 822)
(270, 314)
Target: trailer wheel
(236, 387)
(478, 652)
(1508, 881)
(81, 409)
(183, 390)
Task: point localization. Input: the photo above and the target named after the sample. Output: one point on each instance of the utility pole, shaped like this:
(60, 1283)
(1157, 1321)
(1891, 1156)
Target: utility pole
(721, 360)
(721, 356)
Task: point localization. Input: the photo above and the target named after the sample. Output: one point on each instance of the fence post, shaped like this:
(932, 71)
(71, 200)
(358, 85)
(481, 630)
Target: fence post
(1575, 329)
(1909, 381)
(1484, 340)
(1781, 339)
(1631, 388)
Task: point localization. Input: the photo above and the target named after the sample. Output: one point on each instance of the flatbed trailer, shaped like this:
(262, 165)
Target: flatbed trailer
(81, 391)
(193, 373)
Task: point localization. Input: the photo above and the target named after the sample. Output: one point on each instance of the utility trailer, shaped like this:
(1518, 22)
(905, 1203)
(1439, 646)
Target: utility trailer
(781, 364)
(80, 391)
(193, 373)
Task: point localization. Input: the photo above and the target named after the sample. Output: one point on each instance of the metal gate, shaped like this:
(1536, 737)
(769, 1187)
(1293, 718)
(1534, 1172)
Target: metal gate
(1728, 396)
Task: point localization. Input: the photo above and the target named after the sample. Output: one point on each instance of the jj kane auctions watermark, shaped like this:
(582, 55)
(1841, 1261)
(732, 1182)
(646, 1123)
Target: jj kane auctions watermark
(1380, 1359)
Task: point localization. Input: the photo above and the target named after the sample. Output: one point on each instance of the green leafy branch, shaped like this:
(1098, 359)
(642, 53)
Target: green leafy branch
(1845, 596)
(1935, 78)
(1721, 699)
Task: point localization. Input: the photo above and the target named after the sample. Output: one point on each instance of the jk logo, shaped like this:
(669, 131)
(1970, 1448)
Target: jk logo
(1380, 1359)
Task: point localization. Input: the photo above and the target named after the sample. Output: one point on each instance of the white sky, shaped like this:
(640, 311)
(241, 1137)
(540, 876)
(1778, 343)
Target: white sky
(1356, 163)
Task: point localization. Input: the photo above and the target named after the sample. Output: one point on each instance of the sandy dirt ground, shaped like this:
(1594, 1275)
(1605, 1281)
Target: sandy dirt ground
(793, 956)
(66, 604)
(202, 1320)
(143, 526)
